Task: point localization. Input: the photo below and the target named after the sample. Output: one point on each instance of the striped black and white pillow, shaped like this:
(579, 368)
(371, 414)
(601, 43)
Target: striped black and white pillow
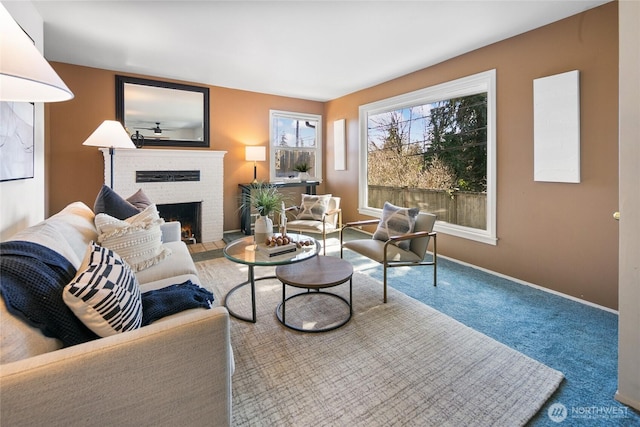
(105, 294)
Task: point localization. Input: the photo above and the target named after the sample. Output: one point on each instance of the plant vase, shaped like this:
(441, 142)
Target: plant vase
(263, 229)
(304, 176)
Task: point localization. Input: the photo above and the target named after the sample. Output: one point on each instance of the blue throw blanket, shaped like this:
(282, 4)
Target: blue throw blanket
(173, 299)
(32, 278)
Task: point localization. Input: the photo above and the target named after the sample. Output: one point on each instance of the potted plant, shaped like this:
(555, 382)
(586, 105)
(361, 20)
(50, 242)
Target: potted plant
(266, 199)
(304, 168)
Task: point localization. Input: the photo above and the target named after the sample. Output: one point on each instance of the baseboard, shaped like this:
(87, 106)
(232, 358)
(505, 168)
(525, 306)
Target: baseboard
(629, 402)
(532, 285)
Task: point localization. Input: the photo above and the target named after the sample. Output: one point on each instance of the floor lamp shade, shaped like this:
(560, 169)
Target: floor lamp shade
(25, 76)
(110, 134)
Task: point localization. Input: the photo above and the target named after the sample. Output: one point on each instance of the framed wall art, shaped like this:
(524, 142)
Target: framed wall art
(17, 141)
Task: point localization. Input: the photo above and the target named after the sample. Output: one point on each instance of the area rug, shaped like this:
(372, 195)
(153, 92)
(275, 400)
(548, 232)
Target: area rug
(401, 363)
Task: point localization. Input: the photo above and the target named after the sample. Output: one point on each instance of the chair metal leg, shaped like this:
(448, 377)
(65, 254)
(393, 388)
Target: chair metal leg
(435, 261)
(384, 268)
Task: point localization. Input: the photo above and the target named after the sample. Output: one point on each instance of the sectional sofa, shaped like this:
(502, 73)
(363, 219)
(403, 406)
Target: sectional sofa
(174, 371)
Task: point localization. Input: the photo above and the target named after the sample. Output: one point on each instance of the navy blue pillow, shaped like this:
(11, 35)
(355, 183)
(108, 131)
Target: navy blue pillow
(110, 203)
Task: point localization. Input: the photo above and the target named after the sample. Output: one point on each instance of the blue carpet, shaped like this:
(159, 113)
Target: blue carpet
(576, 339)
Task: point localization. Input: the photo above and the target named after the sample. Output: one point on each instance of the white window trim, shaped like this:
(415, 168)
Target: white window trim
(318, 167)
(481, 82)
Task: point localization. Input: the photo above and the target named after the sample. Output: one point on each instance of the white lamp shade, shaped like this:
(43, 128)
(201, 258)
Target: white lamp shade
(25, 76)
(255, 153)
(110, 134)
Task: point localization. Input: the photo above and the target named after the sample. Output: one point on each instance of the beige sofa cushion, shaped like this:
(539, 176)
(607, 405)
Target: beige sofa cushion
(180, 262)
(68, 232)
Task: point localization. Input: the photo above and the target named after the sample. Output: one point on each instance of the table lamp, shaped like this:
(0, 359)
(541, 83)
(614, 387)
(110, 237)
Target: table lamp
(110, 134)
(255, 154)
(25, 76)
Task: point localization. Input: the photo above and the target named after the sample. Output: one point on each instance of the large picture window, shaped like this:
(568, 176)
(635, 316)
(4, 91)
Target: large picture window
(296, 139)
(435, 149)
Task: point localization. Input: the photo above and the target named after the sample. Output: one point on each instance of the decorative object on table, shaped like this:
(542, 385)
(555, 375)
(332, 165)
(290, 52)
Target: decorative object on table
(110, 134)
(266, 199)
(283, 220)
(278, 245)
(138, 139)
(255, 154)
(303, 168)
(25, 75)
(263, 228)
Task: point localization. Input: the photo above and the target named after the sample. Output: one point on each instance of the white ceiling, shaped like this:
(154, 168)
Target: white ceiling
(318, 50)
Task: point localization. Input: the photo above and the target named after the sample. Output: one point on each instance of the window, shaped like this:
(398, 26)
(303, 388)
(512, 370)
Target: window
(434, 148)
(296, 138)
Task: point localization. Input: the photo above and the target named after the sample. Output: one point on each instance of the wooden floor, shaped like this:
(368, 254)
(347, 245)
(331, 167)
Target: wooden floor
(203, 247)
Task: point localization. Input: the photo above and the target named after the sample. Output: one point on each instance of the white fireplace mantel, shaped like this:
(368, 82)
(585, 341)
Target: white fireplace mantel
(208, 190)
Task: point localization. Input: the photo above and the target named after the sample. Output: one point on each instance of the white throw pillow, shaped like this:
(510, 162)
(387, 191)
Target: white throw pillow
(314, 207)
(105, 294)
(396, 221)
(138, 239)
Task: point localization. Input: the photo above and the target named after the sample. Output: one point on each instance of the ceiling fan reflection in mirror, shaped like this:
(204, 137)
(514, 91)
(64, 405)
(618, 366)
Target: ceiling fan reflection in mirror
(157, 130)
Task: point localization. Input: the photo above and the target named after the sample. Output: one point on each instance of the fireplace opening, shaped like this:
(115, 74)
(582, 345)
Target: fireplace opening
(189, 215)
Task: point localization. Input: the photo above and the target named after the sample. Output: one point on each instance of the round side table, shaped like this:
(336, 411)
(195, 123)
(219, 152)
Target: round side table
(317, 273)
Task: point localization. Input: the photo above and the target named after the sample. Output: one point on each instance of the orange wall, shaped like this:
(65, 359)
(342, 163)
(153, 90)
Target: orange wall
(76, 172)
(560, 236)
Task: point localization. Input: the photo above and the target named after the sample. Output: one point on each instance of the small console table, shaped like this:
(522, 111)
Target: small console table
(245, 213)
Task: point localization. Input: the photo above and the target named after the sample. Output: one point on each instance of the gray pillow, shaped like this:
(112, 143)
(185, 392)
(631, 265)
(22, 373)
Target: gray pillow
(110, 203)
(140, 200)
(396, 221)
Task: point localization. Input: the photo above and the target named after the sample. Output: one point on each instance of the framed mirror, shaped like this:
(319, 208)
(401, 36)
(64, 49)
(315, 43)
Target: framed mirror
(157, 113)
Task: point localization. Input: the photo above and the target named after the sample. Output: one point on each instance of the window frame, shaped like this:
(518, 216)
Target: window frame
(317, 167)
(470, 85)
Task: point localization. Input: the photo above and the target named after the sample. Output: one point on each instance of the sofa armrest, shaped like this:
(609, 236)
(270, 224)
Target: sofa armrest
(172, 372)
(171, 231)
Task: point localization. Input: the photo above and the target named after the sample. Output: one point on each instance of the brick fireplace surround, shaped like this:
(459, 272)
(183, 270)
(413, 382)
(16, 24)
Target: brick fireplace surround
(208, 189)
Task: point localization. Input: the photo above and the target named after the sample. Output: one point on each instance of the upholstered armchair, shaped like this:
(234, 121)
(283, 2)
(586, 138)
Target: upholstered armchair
(317, 214)
(396, 248)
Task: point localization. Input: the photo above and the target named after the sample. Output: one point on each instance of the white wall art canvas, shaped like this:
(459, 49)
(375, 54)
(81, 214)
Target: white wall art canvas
(556, 130)
(16, 140)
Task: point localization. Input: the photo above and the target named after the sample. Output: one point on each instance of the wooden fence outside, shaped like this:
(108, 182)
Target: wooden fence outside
(463, 208)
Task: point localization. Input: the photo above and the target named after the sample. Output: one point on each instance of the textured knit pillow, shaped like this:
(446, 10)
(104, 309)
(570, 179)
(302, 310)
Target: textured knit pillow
(396, 221)
(110, 203)
(138, 239)
(105, 294)
(314, 207)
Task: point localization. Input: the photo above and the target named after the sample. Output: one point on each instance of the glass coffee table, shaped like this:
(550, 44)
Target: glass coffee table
(246, 251)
